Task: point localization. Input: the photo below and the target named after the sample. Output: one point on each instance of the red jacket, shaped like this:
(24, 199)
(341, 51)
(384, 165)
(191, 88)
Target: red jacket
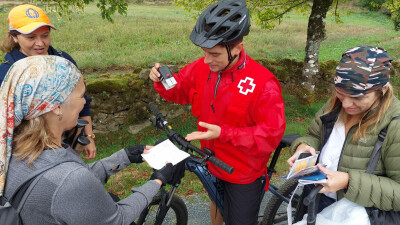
(248, 107)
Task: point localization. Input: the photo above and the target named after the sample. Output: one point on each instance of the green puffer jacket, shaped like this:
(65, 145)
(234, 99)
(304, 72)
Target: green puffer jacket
(381, 189)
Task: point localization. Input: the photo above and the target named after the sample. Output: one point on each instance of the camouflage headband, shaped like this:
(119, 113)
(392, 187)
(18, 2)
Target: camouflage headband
(362, 70)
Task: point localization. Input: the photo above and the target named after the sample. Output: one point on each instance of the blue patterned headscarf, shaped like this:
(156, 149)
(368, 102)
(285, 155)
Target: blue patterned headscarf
(32, 87)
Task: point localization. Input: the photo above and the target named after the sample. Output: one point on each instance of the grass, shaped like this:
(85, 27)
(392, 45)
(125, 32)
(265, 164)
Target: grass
(160, 33)
(297, 116)
(138, 174)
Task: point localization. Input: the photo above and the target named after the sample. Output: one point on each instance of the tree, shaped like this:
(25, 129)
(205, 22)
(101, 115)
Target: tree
(316, 33)
(107, 7)
(393, 6)
(269, 12)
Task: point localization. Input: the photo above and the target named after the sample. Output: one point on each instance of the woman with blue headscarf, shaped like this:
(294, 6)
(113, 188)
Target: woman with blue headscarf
(28, 35)
(40, 99)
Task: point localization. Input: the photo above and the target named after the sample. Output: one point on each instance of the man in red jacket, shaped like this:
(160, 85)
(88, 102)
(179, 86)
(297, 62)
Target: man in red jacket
(238, 103)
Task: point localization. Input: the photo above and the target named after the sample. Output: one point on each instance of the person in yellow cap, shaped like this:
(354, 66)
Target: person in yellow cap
(29, 35)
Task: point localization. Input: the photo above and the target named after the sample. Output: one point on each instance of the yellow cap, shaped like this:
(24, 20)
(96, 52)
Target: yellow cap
(27, 18)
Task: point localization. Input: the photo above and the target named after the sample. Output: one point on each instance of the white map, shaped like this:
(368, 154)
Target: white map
(163, 153)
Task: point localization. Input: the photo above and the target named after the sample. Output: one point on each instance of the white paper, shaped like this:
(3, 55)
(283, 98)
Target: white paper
(289, 207)
(303, 167)
(305, 182)
(162, 153)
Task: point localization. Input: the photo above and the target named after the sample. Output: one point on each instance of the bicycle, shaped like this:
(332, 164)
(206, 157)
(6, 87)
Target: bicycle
(158, 210)
(72, 137)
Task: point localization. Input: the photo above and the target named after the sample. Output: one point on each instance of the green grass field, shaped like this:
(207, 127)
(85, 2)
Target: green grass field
(160, 33)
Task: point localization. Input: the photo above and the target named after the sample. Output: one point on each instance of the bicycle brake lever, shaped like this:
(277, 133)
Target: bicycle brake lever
(81, 123)
(83, 140)
(208, 152)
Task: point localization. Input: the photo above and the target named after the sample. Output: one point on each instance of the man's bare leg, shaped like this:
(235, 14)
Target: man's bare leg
(216, 217)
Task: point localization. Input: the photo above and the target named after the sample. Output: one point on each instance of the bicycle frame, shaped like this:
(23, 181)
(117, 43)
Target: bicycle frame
(197, 165)
(214, 186)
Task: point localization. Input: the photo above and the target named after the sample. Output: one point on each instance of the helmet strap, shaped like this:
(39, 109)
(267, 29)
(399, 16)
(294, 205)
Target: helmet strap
(230, 57)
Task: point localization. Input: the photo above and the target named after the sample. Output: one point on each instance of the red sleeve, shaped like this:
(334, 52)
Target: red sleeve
(186, 83)
(269, 115)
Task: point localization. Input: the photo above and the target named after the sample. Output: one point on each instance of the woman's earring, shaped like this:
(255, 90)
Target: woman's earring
(60, 115)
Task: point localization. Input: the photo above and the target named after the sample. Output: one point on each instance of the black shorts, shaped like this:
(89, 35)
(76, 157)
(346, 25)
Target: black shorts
(242, 203)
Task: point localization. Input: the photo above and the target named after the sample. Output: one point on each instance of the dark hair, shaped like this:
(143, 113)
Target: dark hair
(235, 42)
(8, 44)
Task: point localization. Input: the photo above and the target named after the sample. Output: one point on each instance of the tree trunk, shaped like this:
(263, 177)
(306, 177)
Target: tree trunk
(315, 34)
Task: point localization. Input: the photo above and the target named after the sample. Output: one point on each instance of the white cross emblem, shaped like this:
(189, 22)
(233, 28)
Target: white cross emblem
(245, 86)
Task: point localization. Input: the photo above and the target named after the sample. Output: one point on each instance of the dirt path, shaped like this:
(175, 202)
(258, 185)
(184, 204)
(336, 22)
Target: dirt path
(11, 2)
(198, 208)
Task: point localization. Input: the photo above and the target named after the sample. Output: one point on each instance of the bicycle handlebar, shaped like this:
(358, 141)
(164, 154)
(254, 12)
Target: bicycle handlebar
(162, 123)
(225, 167)
(158, 114)
(311, 196)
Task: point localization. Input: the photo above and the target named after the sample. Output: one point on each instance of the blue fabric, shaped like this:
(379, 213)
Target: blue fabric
(33, 86)
(16, 55)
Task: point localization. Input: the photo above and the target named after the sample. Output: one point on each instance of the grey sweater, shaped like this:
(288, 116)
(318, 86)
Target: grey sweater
(73, 192)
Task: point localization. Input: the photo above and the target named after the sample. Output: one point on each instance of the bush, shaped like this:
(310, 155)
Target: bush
(375, 5)
(372, 5)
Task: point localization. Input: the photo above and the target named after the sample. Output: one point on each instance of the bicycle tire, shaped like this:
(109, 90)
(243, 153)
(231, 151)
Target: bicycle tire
(179, 216)
(275, 213)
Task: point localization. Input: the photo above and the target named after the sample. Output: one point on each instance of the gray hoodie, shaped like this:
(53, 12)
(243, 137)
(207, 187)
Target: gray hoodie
(73, 192)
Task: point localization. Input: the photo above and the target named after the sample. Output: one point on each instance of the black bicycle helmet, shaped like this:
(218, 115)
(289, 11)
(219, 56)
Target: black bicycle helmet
(223, 23)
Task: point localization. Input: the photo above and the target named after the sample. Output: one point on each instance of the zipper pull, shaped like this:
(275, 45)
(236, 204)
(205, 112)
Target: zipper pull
(212, 107)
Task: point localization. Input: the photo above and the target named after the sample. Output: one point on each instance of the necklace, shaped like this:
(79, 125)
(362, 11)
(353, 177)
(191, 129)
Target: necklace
(58, 146)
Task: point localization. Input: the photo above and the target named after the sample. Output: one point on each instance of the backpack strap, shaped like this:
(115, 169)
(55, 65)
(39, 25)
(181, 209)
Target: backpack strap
(59, 53)
(376, 153)
(19, 201)
(21, 193)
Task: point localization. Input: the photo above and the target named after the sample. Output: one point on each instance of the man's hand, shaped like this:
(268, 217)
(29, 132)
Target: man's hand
(90, 149)
(336, 180)
(301, 148)
(213, 132)
(154, 74)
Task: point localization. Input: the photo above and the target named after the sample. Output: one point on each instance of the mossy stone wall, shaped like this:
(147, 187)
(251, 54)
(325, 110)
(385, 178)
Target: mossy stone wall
(123, 99)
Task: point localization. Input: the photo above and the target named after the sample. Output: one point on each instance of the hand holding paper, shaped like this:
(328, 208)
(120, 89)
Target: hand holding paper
(336, 180)
(162, 153)
(306, 171)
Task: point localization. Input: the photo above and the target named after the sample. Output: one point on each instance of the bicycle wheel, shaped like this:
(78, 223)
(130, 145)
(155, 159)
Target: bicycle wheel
(276, 210)
(176, 215)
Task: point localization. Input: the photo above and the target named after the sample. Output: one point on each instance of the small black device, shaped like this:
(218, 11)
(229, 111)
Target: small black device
(167, 78)
(303, 155)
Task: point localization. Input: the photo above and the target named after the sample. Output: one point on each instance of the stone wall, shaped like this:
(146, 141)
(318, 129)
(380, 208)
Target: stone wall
(123, 99)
